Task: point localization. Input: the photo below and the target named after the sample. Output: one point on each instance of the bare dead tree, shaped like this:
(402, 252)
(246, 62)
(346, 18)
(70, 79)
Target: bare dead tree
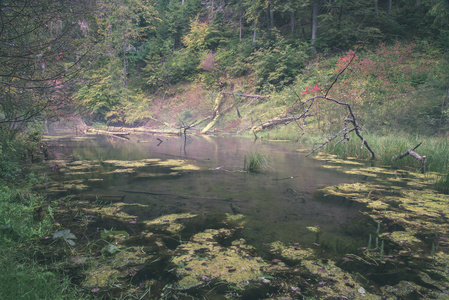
(349, 121)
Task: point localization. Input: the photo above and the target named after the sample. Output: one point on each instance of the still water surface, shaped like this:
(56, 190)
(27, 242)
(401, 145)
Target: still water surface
(279, 203)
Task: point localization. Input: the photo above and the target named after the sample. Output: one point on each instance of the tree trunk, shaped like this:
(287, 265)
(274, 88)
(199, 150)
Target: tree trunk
(292, 21)
(254, 33)
(125, 77)
(390, 6)
(376, 7)
(270, 8)
(240, 28)
(216, 114)
(314, 24)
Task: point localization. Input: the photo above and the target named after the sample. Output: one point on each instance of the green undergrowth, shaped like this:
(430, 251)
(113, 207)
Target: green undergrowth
(26, 218)
(24, 221)
(22, 278)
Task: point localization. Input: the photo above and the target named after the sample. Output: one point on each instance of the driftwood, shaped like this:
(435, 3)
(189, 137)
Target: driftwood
(141, 130)
(115, 134)
(412, 153)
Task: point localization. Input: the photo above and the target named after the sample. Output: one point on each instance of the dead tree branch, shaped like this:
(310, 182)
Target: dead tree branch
(350, 121)
(412, 153)
(274, 122)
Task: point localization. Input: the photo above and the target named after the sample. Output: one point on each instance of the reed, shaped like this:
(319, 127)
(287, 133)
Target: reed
(436, 150)
(442, 183)
(253, 162)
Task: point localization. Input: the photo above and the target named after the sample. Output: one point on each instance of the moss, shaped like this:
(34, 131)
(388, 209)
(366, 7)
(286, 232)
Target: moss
(172, 223)
(403, 237)
(177, 164)
(292, 253)
(101, 276)
(130, 163)
(334, 282)
(203, 259)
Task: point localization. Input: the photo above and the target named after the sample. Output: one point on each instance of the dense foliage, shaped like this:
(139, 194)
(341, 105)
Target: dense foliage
(267, 44)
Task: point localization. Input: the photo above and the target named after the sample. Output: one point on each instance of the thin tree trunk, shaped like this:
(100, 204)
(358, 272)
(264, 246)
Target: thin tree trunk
(314, 24)
(376, 7)
(240, 28)
(390, 6)
(125, 77)
(270, 8)
(255, 33)
(292, 21)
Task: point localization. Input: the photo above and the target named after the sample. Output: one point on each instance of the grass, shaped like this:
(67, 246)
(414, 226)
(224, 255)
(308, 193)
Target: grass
(436, 150)
(25, 219)
(254, 162)
(442, 183)
(386, 147)
(28, 280)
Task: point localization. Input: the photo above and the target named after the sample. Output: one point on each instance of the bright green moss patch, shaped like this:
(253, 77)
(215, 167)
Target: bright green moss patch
(103, 276)
(292, 253)
(204, 259)
(172, 223)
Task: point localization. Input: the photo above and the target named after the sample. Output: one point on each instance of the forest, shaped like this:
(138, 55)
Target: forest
(313, 71)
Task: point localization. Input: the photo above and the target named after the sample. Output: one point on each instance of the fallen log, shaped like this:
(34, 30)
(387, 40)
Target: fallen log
(115, 134)
(216, 114)
(412, 153)
(245, 95)
(274, 122)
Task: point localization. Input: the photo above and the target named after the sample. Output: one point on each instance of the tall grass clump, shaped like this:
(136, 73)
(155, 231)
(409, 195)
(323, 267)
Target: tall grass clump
(254, 162)
(387, 147)
(442, 183)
